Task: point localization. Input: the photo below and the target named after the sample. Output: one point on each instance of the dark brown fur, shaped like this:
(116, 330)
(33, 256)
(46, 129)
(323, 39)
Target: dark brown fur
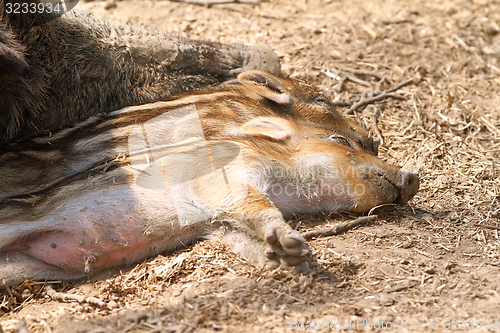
(12, 60)
(63, 71)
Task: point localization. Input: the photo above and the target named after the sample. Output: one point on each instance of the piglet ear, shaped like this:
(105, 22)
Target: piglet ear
(266, 85)
(268, 127)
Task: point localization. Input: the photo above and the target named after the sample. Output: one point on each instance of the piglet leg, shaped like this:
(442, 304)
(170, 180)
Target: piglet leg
(269, 236)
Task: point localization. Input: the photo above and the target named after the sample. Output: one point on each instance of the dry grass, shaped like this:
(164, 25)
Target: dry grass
(435, 259)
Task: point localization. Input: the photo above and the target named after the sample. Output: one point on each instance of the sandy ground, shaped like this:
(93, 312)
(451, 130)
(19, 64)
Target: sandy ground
(431, 265)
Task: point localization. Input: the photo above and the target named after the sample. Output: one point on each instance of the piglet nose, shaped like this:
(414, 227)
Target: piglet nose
(408, 189)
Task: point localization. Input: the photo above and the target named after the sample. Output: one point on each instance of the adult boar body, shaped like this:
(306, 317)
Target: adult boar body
(82, 200)
(55, 72)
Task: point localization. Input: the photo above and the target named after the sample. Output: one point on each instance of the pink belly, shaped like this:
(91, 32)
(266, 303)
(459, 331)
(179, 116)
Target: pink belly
(105, 228)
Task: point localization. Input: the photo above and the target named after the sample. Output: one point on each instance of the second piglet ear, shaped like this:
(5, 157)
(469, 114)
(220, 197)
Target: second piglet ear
(270, 127)
(266, 85)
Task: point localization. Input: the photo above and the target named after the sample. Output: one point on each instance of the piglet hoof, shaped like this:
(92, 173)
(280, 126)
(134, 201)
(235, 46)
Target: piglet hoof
(289, 249)
(302, 268)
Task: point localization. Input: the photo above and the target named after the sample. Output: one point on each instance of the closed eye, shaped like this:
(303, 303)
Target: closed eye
(335, 138)
(320, 99)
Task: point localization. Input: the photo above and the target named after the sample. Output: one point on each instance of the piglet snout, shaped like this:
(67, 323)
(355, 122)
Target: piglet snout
(408, 187)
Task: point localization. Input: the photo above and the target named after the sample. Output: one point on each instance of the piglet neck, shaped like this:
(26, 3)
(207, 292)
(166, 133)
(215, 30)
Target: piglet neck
(302, 189)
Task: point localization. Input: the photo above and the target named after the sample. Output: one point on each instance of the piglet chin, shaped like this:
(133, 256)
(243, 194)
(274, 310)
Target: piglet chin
(291, 200)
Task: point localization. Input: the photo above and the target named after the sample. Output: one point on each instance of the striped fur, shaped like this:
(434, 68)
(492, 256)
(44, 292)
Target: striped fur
(71, 202)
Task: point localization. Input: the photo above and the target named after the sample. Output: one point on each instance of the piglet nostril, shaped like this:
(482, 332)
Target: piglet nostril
(409, 187)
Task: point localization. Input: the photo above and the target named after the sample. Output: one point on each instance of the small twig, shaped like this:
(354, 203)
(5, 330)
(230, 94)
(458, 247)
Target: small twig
(379, 85)
(400, 85)
(492, 227)
(355, 79)
(380, 206)
(340, 228)
(425, 254)
(402, 287)
(118, 159)
(58, 296)
(400, 21)
(365, 101)
(376, 75)
(377, 95)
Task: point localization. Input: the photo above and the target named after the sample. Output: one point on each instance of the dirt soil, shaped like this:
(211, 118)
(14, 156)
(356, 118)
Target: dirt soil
(416, 268)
